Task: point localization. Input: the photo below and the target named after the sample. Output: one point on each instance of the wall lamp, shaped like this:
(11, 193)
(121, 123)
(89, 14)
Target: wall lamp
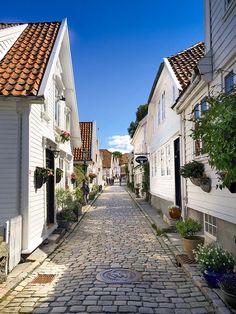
(55, 153)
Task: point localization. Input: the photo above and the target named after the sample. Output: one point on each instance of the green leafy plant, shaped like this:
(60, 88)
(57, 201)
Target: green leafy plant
(146, 178)
(217, 132)
(117, 154)
(141, 112)
(188, 228)
(192, 169)
(64, 198)
(213, 257)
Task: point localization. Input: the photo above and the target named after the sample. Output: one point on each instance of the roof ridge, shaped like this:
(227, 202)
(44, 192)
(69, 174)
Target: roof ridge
(187, 49)
(20, 23)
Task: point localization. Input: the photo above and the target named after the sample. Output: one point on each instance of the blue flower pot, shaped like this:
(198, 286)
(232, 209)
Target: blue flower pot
(212, 277)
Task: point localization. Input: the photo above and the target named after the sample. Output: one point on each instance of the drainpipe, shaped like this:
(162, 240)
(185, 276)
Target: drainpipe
(183, 160)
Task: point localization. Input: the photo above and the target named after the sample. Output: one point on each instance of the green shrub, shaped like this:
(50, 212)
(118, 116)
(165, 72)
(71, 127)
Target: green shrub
(192, 169)
(188, 227)
(92, 195)
(64, 198)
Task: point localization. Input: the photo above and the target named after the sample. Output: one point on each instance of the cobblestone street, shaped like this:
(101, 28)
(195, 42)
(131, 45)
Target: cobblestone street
(113, 234)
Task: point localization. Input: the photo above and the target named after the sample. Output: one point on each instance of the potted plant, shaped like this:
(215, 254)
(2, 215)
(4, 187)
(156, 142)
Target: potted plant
(193, 170)
(59, 173)
(187, 229)
(174, 211)
(227, 284)
(214, 262)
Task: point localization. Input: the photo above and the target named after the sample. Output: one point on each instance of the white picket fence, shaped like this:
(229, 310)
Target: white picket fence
(13, 238)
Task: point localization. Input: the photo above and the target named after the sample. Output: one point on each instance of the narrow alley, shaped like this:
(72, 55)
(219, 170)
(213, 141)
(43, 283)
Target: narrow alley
(114, 234)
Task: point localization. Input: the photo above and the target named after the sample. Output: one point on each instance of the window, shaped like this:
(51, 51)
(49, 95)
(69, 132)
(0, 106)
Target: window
(155, 163)
(162, 162)
(210, 225)
(168, 158)
(198, 112)
(163, 106)
(229, 82)
(159, 112)
(173, 93)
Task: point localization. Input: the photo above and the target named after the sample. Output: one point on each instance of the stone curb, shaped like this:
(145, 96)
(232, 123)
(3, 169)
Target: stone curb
(7, 287)
(195, 275)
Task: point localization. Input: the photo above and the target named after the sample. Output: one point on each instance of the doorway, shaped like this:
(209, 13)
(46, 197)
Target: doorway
(177, 172)
(50, 188)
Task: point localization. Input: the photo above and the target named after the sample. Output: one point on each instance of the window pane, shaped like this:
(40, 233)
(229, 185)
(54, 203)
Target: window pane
(197, 112)
(229, 82)
(204, 105)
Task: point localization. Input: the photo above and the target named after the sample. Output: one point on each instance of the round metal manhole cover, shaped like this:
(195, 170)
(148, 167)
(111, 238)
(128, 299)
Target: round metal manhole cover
(118, 275)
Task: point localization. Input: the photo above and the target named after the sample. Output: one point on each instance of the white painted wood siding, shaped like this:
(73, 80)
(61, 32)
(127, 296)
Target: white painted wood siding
(163, 134)
(223, 32)
(9, 154)
(218, 203)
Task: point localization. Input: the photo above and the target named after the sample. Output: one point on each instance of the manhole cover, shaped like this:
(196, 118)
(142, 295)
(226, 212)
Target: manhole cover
(118, 275)
(43, 278)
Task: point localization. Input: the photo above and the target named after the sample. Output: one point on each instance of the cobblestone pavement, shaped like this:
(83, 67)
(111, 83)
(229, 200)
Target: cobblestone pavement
(113, 234)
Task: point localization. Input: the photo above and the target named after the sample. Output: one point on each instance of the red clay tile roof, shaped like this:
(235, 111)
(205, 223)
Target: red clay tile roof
(106, 158)
(4, 25)
(85, 151)
(23, 67)
(185, 61)
(124, 159)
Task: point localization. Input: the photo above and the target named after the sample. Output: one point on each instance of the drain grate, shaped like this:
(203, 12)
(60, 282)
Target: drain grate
(184, 259)
(118, 276)
(43, 278)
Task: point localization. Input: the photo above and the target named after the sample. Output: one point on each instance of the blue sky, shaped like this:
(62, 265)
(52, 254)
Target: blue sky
(117, 46)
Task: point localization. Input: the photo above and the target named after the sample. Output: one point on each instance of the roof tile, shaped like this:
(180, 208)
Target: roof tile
(85, 151)
(24, 64)
(184, 62)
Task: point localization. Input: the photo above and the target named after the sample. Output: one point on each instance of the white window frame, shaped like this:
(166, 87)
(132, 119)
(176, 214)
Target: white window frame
(200, 112)
(162, 161)
(155, 163)
(168, 160)
(163, 102)
(159, 113)
(209, 223)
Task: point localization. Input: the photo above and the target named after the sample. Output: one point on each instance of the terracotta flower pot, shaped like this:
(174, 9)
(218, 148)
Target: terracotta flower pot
(175, 212)
(191, 244)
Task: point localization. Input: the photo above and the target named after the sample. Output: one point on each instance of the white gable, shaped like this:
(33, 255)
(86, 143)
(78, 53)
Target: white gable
(8, 37)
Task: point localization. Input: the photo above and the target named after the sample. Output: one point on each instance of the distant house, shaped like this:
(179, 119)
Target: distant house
(38, 129)
(124, 165)
(106, 157)
(139, 143)
(214, 73)
(88, 155)
(163, 126)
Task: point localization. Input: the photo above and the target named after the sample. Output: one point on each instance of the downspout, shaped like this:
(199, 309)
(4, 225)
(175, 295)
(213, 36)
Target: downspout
(183, 161)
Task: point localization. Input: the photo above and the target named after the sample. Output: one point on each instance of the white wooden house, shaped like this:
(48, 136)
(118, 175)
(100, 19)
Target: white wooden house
(163, 127)
(37, 104)
(139, 143)
(88, 154)
(215, 72)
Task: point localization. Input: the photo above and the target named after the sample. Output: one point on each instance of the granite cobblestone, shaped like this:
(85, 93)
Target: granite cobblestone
(113, 234)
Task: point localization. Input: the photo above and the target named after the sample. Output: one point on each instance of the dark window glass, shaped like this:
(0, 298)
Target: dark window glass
(204, 106)
(229, 82)
(197, 112)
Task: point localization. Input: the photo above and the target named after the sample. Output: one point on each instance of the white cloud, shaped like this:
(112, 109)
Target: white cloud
(120, 143)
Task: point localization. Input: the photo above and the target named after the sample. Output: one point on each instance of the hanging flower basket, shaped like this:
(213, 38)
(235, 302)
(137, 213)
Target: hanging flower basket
(65, 136)
(59, 174)
(92, 176)
(41, 176)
